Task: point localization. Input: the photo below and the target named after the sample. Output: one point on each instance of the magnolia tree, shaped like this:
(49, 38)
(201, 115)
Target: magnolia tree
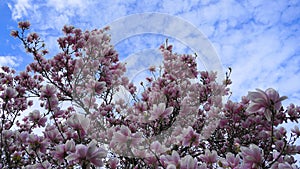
(79, 100)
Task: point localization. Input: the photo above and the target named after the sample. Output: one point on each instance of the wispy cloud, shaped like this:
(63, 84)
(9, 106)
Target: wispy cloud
(19, 8)
(8, 61)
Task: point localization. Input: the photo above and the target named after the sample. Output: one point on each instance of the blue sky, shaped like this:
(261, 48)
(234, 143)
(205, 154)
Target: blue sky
(259, 39)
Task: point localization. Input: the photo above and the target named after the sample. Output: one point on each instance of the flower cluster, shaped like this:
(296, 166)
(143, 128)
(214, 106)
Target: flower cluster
(66, 112)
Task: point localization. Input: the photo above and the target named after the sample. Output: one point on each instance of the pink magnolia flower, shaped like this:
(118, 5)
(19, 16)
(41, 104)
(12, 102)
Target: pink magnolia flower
(231, 161)
(61, 151)
(171, 160)
(188, 162)
(157, 148)
(123, 139)
(190, 137)
(252, 156)
(79, 122)
(113, 163)
(160, 111)
(88, 153)
(24, 25)
(14, 33)
(37, 143)
(9, 93)
(209, 157)
(99, 87)
(296, 131)
(48, 91)
(266, 100)
(35, 116)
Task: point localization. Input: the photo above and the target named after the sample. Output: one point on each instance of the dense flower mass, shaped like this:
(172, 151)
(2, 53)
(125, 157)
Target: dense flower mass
(66, 112)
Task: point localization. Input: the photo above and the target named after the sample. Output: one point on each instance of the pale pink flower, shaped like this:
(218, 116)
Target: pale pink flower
(209, 157)
(100, 87)
(252, 156)
(90, 153)
(231, 161)
(157, 148)
(171, 166)
(188, 162)
(9, 93)
(70, 146)
(60, 153)
(24, 25)
(160, 111)
(35, 117)
(173, 159)
(79, 122)
(48, 91)
(265, 100)
(113, 163)
(190, 137)
(123, 139)
(37, 143)
(296, 131)
(286, 166)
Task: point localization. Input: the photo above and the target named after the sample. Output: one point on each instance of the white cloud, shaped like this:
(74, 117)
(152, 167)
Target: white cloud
(62, 5)
(19, 8)
(8, 61)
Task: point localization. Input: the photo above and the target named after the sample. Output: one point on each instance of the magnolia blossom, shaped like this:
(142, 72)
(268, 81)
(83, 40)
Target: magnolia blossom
(160, 111)
(157, 148)
(61, 151)
(252, 156)
(231, 161)
(171, 160)
(188, 162)
(123, 139)
(209, 157)
(268, 101)
(48, 91)
(190, 137)
(35, 117)
(9, 93)
(88, 153)
(296, 131)
(79, 122)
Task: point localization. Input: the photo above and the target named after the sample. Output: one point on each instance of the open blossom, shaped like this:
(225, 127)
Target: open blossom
(209, 157)
(231, 161)
(48, 91)
(296, 131)
(37, 143)
(62, 150)
(188, 162)
(24, 25)
(9, 93)
(252, 156)
(157, 148)
(160, 111)
(35, 117)
(190, 137)
(88, 153)
(265, 100)
(79, 122)
(123, 139)
(171, 160)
